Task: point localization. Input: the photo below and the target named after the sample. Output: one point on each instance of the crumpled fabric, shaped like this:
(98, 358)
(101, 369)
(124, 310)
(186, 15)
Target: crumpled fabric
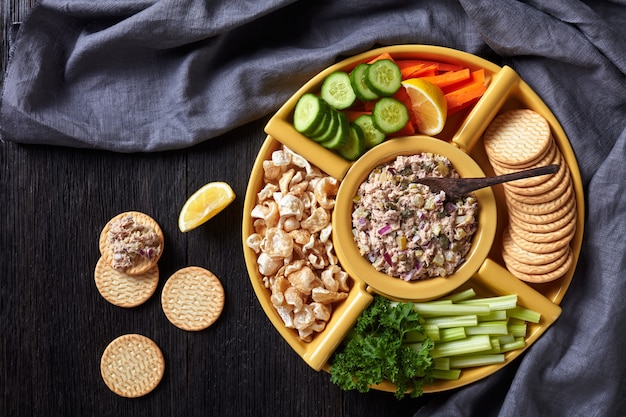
(143, 76)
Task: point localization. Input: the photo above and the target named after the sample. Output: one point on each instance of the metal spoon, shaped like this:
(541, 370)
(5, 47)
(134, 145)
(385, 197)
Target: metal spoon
(458, 187)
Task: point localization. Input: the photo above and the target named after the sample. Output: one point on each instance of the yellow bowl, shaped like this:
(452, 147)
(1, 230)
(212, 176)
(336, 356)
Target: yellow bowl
(360, 268)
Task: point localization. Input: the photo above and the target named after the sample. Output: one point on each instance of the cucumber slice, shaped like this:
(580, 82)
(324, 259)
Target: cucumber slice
(341, 135)
(331, 129)
(337, 90)
(357, 79)
(383, 77)
(389, 115)
(308, 113)
(322, 125)
(355, 144)
(372, 136)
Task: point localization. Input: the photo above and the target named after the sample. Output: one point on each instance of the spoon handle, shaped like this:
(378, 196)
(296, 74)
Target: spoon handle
(527, 173)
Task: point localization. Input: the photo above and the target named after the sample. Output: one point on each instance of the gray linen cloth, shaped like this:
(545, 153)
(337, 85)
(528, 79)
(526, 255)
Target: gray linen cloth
(144, 76)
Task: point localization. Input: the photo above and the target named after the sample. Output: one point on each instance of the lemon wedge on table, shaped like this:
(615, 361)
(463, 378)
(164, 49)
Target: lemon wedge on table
(428, 105)
(205, 203)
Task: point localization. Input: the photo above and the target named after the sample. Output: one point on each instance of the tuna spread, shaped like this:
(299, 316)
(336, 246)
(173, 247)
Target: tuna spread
(130, 241)
(404, 229)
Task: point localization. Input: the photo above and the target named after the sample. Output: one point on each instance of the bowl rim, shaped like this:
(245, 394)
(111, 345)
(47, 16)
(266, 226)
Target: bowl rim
(361, 269)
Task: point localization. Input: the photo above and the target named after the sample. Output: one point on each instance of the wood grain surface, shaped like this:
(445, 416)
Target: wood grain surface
(55, 325)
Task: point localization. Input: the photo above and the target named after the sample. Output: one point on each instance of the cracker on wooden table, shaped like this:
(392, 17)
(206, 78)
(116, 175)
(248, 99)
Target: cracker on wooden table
(140, 264)
(192, 298)
(125, 290)
(132, 365)
(517, 138)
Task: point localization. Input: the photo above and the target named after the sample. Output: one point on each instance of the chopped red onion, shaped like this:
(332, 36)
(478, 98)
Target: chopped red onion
(384, 230)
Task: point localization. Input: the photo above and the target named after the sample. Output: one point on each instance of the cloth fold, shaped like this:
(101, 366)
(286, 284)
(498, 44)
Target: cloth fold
(140, 76)
(151, 76)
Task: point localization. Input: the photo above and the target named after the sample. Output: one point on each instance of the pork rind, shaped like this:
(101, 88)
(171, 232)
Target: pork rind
(292, 240)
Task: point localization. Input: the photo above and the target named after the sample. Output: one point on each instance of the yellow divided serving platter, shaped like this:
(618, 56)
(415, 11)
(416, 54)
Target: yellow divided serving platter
(464, 130)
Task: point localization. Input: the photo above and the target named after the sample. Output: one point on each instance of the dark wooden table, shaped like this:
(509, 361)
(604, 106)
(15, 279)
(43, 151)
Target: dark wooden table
(55, 325)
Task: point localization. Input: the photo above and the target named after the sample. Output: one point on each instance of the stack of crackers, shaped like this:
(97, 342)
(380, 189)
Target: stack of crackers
(542, 210)
(135, 285)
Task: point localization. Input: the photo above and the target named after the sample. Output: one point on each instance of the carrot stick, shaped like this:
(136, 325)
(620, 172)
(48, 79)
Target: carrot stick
(424, 71)
(457, 99)
(353, 114)
(441, 66)
(477, 76)
(408, 71)
(407, 130)
(402, 96)
(384, 55)
(449, 78)
(368, 106)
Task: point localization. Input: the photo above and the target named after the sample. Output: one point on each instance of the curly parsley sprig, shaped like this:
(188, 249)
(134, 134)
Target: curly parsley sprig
(375, 351)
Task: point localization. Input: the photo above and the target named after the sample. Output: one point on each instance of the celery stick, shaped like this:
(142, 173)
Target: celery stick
(435, 310)
(450, 375)
(519, 343)
(440, 301)
(461, 296)
(443, 364)
(488, 327)
(524, 314)
(517, 329)
(470, 344)
(502, 302)
(468, 361)
(432, 331)
(494, 315)
(452, 333)
(507, 338)
(495, 346)
(452, 321)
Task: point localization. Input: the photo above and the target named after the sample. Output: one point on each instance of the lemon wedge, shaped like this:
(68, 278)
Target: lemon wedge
(428, 104)
(204, 204)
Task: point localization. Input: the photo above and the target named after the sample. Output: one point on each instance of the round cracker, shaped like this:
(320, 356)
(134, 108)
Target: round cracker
(535, 269)
(517, 137)
(545, 237)
(549, 195)
(192, 298)
(527, 257)
(548, 217)
(548, 184)
(543, 207)
(124, 290)
(540, 247)
(547, 277)
(132, 365)
(547, 159)
(141, 265)
(548, 227)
